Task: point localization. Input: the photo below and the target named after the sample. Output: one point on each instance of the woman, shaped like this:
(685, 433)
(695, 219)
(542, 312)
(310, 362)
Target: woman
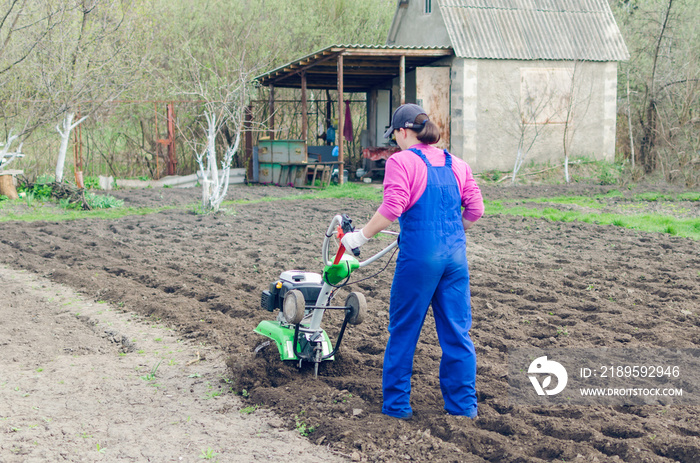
(425, 188)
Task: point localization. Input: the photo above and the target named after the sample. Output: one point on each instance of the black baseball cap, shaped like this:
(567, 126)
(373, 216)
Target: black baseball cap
(405, 118)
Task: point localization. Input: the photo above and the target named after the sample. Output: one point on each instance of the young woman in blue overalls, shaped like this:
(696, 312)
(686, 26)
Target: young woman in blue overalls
(426, 188)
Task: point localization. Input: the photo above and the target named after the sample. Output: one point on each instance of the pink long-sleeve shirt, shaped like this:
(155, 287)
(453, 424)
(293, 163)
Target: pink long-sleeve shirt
(406, 175)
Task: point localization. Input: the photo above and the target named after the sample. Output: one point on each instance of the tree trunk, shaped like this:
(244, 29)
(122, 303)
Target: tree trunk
(65, 138)
(647, 156)
(7, 186)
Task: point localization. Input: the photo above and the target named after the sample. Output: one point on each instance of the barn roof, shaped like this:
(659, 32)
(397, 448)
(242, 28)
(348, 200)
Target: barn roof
(533, 29)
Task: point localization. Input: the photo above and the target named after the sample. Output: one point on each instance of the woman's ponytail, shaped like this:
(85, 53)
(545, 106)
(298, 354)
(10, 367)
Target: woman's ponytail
(430, 134)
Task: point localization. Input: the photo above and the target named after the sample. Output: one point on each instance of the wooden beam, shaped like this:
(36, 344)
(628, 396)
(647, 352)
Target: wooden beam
(436, 52)
(402, 79)
(304, 111)
(341, 110)
(271, 133)
(248, 128)
(276, 79)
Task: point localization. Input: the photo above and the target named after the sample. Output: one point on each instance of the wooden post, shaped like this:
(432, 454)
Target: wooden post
(271, 132)
(304, 110)
(402, 79)
(172, 156)
(78, 155)
(248, 129)
(155, 112)
(339, 131)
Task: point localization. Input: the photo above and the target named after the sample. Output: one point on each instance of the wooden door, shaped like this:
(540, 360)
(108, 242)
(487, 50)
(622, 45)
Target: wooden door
(433, 94)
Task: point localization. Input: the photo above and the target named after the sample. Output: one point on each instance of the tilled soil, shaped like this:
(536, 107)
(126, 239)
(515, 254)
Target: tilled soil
(534, 284)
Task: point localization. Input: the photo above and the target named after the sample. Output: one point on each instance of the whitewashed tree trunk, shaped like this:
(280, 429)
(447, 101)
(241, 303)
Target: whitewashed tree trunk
(519, 159)
(221, 189)
(214, 183)
(68, 126)
(6, 157)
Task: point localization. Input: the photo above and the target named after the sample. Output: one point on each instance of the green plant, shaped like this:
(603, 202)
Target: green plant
(152, 374)
(102, 201)
(91, 182)
(608, 173)
(249, 410)
(301, 425)
(208, 454)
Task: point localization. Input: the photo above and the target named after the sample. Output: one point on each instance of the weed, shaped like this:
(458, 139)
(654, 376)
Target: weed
(150, 376)
(301, 425)
(249, 410)
(562, 332)
(208, 454)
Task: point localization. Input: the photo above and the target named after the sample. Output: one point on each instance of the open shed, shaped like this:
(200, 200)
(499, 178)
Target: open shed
(378, 71)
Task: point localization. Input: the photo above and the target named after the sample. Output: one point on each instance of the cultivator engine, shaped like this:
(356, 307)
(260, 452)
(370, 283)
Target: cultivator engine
(303, 297)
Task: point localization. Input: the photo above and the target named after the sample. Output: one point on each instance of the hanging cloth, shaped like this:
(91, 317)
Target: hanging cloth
(347, 129)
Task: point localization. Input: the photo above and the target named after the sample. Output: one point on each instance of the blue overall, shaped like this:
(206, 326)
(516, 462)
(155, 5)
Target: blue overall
(431, 268)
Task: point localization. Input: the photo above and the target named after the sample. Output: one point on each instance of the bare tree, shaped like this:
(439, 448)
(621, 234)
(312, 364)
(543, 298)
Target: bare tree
(23, 25)
(88, 61)
(534, 104)
(576, 102)
(649, 98)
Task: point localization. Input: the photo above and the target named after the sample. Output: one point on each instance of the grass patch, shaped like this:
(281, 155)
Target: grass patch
(55, 215)
(598, 201)
(685, 227)
(689, 228)
(347, 190)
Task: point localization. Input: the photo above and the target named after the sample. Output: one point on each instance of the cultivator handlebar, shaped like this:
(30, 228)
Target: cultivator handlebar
(344, 227)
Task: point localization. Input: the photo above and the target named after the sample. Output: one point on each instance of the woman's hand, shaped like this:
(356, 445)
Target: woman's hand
(353, 240)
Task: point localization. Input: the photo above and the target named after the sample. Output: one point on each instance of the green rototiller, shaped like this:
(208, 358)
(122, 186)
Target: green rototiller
(303, 297)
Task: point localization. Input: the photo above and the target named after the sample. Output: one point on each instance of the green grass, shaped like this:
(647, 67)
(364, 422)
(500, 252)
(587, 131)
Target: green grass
(347, 190)
(686, 227)
(656, 223)
(599, 200)
(55, 215)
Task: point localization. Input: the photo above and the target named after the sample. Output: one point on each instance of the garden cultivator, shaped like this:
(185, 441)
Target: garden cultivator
(303, 297)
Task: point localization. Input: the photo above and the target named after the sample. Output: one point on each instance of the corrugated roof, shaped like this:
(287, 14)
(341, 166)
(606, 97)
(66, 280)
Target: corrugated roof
(534, 29)
(364, 66)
